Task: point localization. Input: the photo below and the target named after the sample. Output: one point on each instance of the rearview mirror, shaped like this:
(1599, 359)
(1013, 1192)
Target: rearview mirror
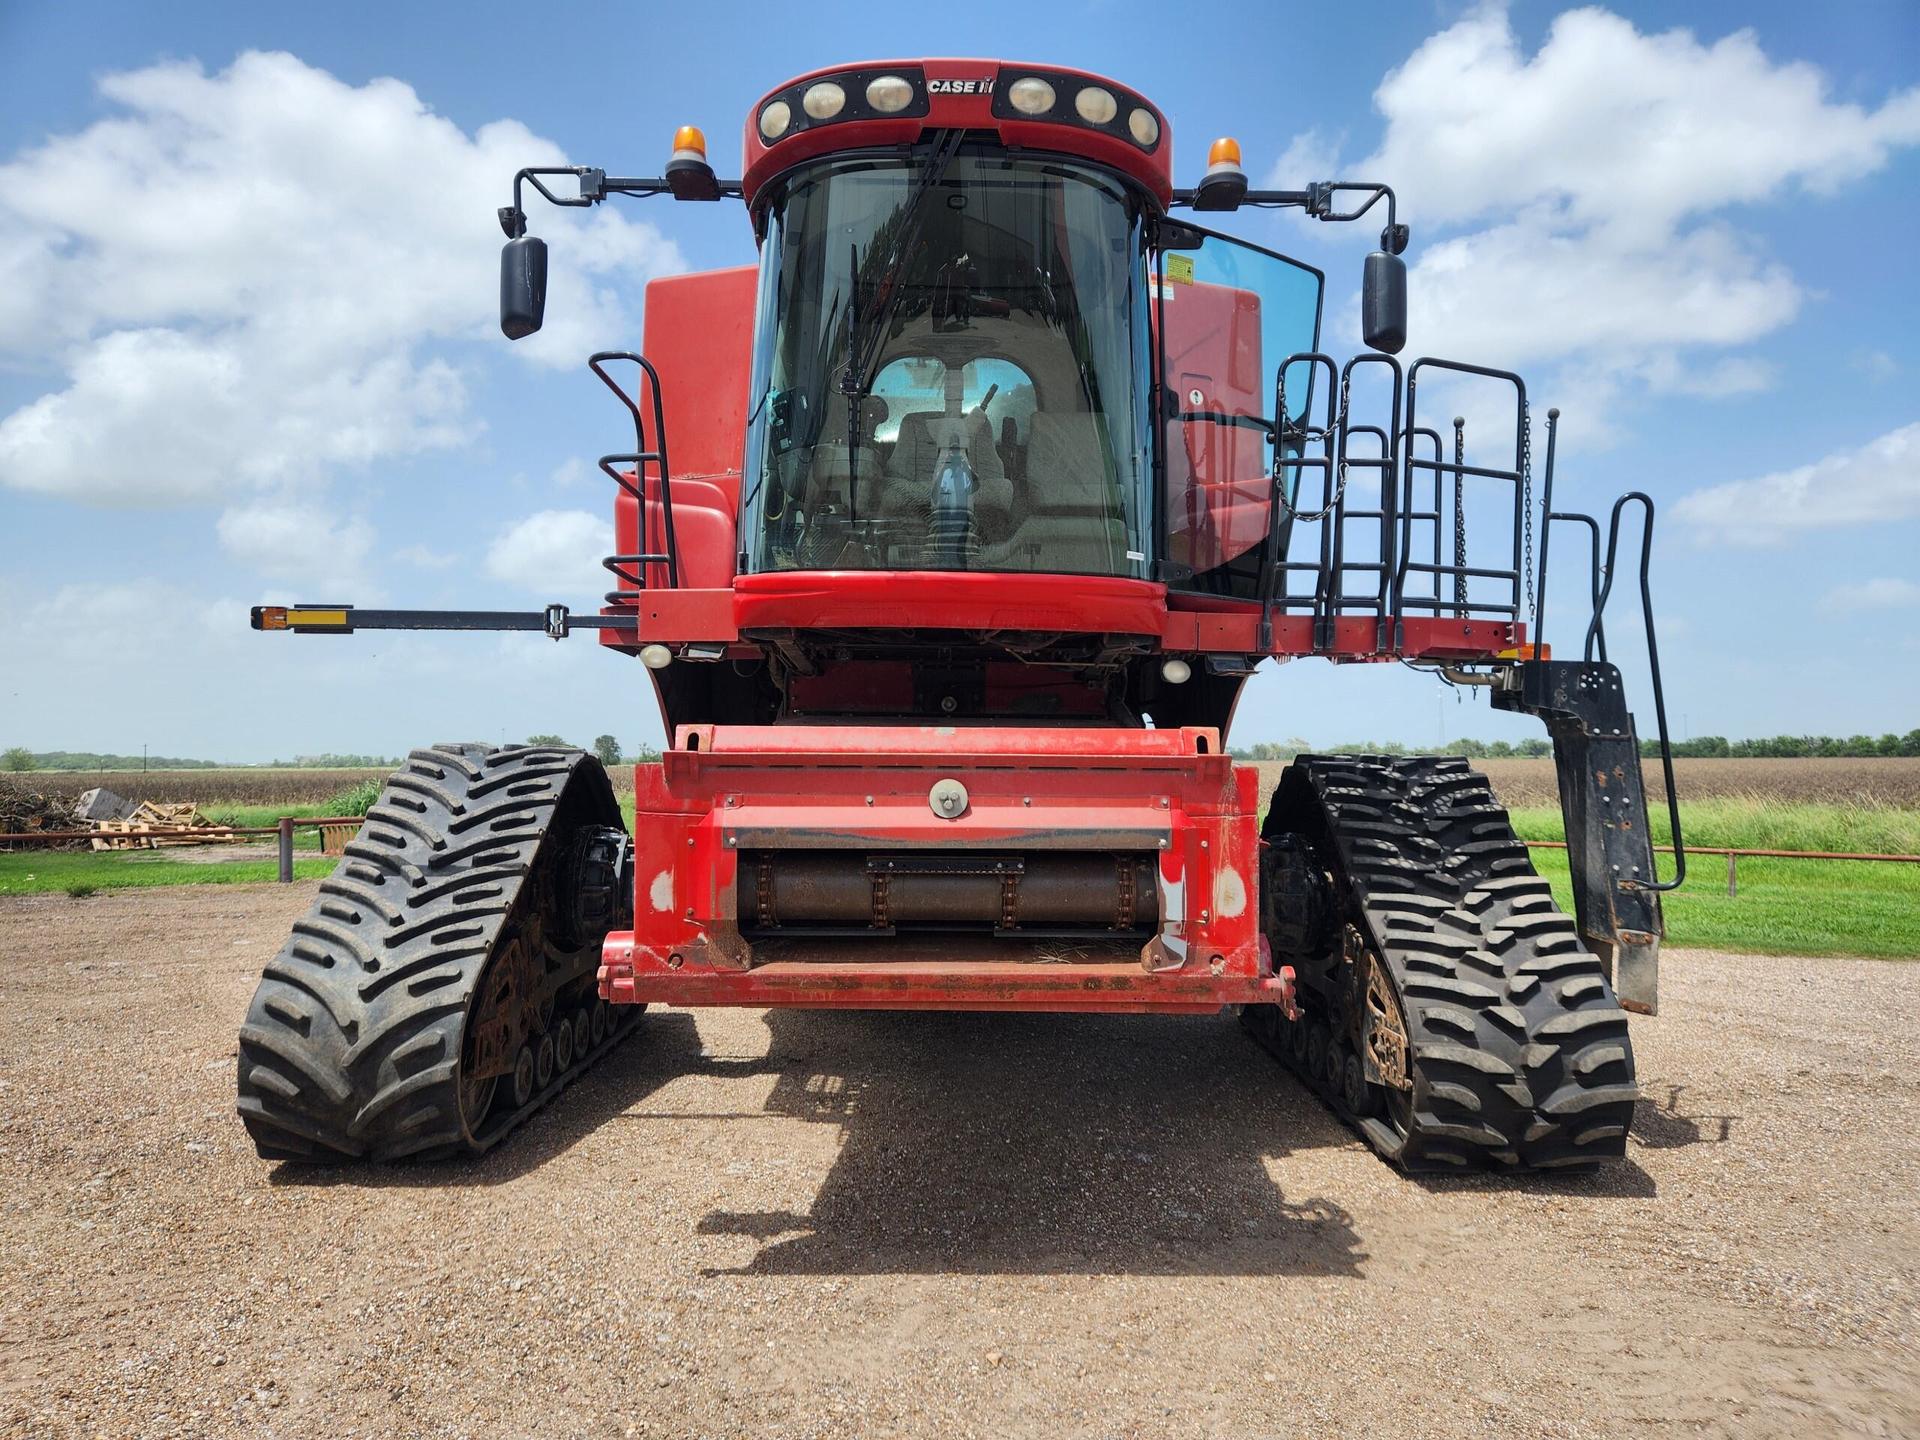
(1383, 302)
(523, 286)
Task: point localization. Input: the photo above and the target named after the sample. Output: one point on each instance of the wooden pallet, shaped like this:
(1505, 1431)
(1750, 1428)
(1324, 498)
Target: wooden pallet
(136, 831)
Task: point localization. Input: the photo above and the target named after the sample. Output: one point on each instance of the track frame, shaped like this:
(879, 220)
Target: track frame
(1518, 1053)
(354, 1041)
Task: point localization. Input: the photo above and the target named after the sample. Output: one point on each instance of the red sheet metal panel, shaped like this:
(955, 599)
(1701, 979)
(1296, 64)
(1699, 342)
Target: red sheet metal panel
(725, 790)
(955, 600)
(907, 985)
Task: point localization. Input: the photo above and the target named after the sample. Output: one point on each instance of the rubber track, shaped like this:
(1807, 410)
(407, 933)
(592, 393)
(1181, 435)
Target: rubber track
(1520, 1053)
(351, 1043)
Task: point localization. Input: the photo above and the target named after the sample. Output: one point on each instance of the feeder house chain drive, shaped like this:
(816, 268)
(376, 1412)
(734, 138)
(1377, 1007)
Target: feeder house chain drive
(948, 537)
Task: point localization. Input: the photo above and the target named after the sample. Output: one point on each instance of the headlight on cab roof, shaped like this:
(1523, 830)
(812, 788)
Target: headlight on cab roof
(1031, 95)
(889, 94)
(823, 100)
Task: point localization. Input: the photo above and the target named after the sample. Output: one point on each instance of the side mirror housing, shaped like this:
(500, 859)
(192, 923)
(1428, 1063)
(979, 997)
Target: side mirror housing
(1383, 303)
(523, 286)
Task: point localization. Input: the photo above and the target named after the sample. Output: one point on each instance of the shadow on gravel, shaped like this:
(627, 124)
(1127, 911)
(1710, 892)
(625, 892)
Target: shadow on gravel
(1623, 1179)
(1043, 1144)
(1664, 1126)
(665, 1046)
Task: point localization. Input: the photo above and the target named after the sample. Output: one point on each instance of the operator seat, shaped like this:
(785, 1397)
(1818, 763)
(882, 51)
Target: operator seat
(915, 460)
(1070, 521)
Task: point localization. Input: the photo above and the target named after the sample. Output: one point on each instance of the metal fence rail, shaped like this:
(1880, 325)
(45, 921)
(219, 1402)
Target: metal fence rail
(1734, 856)
(283, 828)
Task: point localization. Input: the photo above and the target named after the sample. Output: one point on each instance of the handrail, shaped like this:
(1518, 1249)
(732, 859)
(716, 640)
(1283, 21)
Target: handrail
(1283, 509)
(1549, 515)
(640, 458)
(1460, 470)
(1653, 666)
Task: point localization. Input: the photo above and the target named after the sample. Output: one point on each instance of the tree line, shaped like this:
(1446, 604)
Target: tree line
(1790, 747)
(1717, 747)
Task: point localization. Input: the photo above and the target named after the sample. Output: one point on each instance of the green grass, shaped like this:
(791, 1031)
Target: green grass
(31, 872)
(1784, 907)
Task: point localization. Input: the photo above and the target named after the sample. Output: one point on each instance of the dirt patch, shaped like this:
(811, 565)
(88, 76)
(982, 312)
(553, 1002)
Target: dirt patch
(863, 1224)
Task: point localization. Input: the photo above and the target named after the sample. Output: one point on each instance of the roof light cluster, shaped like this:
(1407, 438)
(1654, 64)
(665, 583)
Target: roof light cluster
(852, 95)
(1070, 100)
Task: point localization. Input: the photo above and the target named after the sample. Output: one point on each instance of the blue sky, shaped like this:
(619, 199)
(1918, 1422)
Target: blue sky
(247, 353)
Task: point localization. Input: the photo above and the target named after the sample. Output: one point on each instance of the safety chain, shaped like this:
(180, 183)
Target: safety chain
(1459, 516)
(1339, 490)
(1526, 506)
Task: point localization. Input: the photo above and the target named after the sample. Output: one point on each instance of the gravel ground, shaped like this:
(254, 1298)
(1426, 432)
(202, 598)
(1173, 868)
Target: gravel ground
(811, 1224)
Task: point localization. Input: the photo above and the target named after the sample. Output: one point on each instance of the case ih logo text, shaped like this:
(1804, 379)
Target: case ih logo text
(959, 87)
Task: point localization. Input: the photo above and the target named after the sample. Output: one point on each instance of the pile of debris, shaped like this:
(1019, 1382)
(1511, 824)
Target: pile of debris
(112, 822)
(122, 825)
(23, 812)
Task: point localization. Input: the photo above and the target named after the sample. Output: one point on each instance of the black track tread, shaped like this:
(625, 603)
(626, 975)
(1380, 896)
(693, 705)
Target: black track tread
(350, 1043)
(1521, 1053)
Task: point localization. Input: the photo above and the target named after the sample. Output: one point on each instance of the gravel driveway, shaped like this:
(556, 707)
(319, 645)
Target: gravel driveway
(801, 1224)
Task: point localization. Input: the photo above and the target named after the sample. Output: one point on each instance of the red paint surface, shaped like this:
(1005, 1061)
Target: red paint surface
(762, 160)
(724, 789)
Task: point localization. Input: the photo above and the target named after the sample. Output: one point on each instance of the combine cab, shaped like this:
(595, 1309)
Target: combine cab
(988, 490)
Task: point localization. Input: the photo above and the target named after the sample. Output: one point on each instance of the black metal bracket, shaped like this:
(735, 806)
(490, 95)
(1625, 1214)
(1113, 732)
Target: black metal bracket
(595, 186)
(1604, 806)
(555, 621)
(1318, 200)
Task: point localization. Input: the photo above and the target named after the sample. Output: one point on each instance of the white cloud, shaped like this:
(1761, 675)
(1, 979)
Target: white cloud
(241, 275)
(1881, 594)
(1877, 365)
(425, 557)
(1626, 131)
(554, 552)
(1311, 155)
(1588, 298)
(1583, 183)
(1875, 484)
(299, 545)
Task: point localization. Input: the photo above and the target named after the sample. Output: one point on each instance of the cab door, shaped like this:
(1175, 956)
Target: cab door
(1226, 315)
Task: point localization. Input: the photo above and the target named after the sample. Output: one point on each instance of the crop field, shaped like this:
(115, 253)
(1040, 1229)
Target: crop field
(208, 788)
(1881, 781)
(1892, 782)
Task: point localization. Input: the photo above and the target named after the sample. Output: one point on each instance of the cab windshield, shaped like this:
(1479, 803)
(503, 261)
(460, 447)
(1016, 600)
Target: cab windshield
(950, 370)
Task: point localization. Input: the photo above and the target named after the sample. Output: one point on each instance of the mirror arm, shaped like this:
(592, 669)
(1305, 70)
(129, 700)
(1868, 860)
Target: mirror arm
(595, 186)
(1318, 201)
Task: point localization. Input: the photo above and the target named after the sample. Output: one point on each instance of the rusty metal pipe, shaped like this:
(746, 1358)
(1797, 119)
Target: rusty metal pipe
(801, 888)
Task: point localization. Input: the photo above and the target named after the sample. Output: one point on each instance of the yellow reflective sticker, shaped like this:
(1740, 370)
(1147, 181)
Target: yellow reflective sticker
(1180, 269)
(317, 618)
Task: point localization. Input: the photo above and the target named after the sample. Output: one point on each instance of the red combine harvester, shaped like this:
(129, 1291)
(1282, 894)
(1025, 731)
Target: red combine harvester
(990, 486)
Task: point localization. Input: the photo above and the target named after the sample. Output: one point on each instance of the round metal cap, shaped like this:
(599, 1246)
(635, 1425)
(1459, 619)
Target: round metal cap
(948, 799)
